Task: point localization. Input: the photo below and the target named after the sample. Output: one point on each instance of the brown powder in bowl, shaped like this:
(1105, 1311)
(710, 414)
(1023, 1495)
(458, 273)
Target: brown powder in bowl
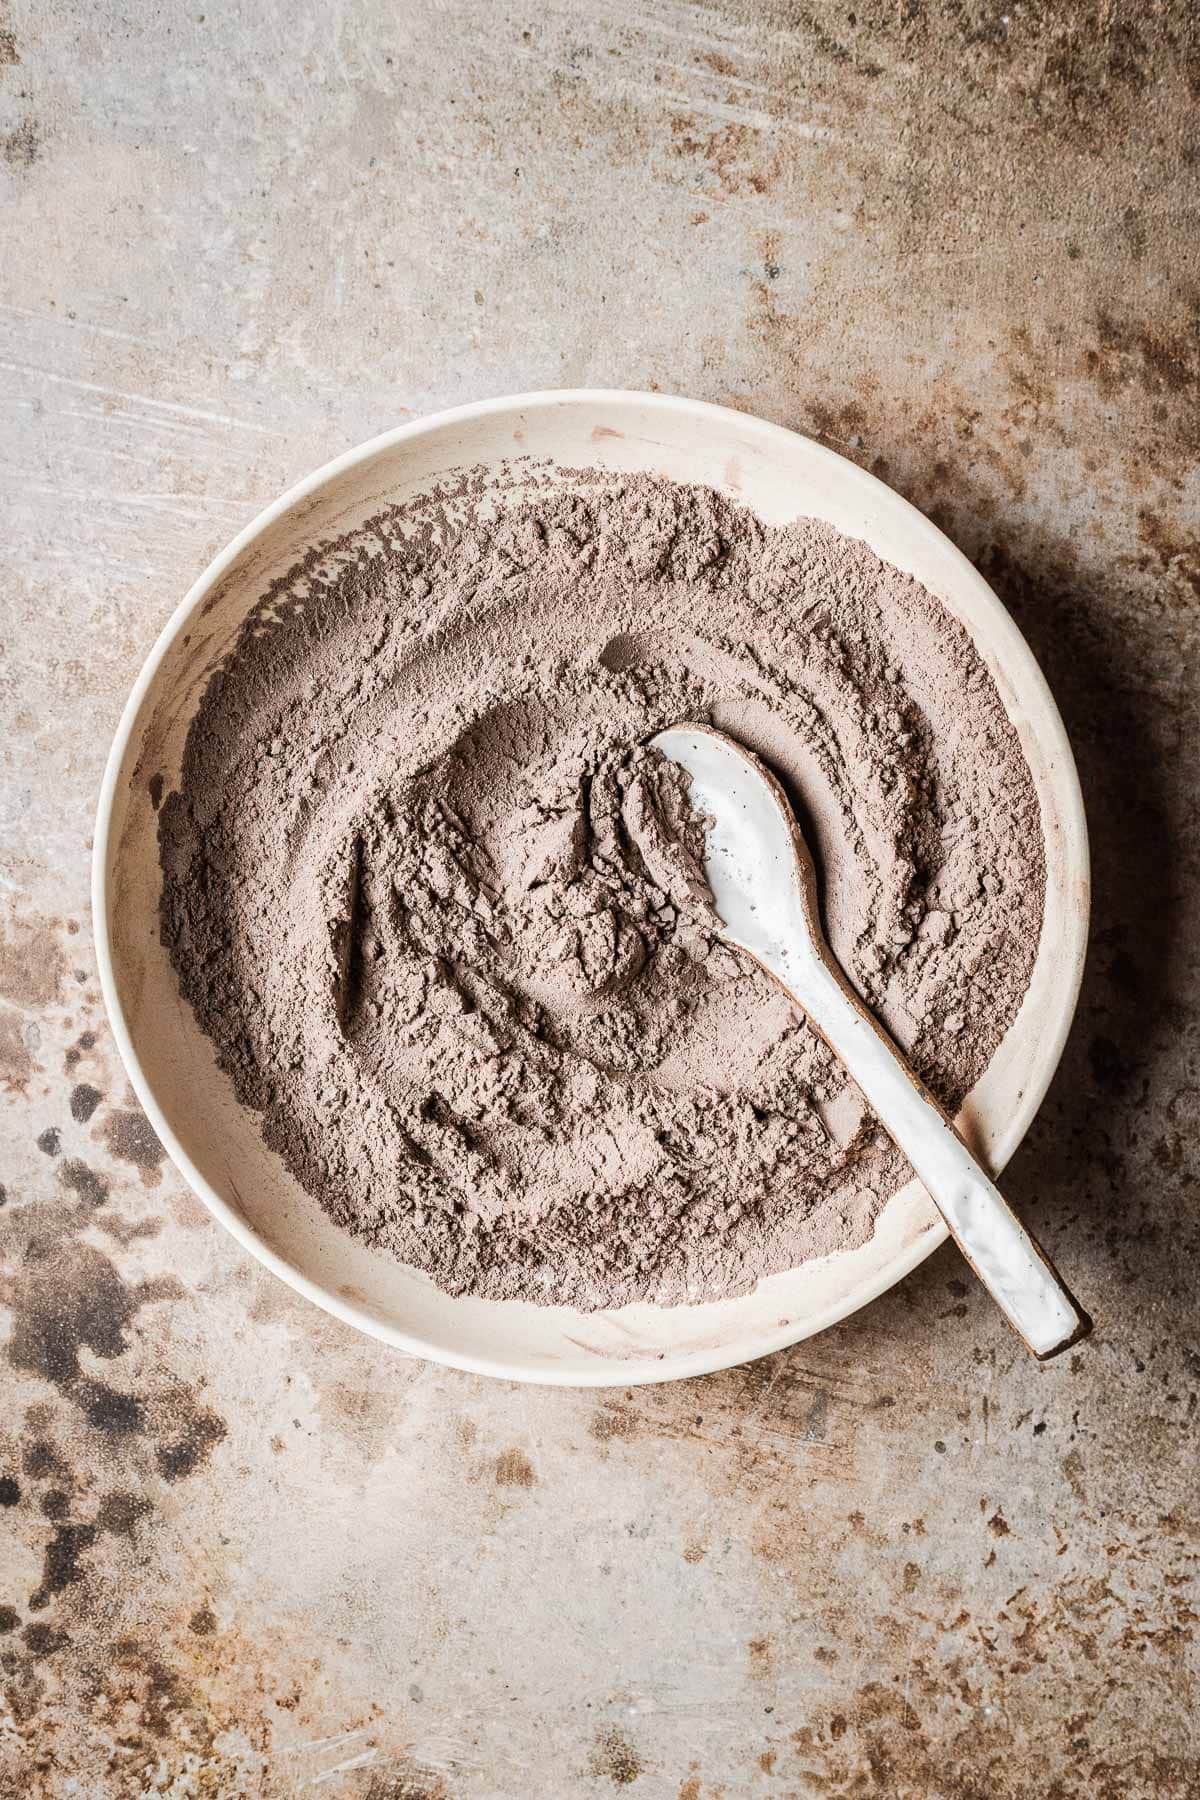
(434, 904)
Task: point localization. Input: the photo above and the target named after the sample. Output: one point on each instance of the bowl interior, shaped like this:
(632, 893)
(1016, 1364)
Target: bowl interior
(217, 1143)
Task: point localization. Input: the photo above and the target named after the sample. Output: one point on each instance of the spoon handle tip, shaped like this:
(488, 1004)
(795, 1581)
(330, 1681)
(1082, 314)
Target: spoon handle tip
(1012, 1266)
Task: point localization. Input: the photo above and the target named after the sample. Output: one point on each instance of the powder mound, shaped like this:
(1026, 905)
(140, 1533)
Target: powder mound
(444, 917)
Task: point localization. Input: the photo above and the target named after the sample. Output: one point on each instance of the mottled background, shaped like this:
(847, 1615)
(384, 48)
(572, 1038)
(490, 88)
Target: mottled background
(244, 1551)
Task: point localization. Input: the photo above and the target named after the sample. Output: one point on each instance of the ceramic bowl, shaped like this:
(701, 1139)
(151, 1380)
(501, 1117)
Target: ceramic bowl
(216, 1143)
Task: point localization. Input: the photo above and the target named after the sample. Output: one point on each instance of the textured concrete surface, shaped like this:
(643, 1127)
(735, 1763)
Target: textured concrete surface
(245, 1552)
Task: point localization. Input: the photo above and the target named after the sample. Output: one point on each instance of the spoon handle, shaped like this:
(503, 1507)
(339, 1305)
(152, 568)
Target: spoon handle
(1005, 1257)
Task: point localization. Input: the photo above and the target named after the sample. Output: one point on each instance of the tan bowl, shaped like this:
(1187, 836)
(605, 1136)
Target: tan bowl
(216, 1143)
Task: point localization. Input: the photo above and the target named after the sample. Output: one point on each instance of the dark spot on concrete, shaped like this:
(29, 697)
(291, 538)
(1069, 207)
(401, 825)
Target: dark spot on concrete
(10, 1618)
(156, 784)
(998, 1525)
(40, 1459)
(83, 1181)
(60, 1566)
(107, 1409)
(55, 1503)
(203, 1621)
(8, 47)
(84, 1101)
(43, 1640)
(50, 1140)
(21, 147)
(25, 1692)
(119, 1513)
(69, 1298)
(183, 1457)
(163, 1695)
(514, 1469)
(79, 1049)
(10, 1490)
(837, 1726)
(614, 1756)
(130, 1138)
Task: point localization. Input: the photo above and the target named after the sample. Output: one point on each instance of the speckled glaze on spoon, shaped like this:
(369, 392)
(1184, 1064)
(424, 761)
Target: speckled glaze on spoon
(764, 888)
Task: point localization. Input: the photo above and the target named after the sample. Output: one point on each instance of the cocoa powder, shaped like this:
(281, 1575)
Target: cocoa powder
(442, 914)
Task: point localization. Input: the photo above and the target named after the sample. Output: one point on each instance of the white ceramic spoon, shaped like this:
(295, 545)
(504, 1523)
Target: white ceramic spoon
(764, 886)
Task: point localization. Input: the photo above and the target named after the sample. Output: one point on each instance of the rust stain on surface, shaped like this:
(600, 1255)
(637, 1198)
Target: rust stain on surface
(614, 1758)
(613, 1420)
(514, 1469)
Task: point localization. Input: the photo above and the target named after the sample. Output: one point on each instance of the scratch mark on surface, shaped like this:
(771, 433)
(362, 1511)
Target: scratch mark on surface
(325, 1743)
(174, 406)
(128, 421)
(343, 1768)
(67, 324)
(155, 502)
(732, 115)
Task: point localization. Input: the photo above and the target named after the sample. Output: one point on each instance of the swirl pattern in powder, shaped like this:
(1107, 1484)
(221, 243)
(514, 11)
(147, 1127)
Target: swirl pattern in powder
(441, 913)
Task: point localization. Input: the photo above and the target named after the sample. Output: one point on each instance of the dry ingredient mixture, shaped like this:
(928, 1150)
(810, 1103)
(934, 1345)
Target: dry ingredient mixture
(442, 915)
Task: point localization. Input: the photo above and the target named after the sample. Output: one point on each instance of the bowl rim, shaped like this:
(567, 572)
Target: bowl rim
(668, 1367)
